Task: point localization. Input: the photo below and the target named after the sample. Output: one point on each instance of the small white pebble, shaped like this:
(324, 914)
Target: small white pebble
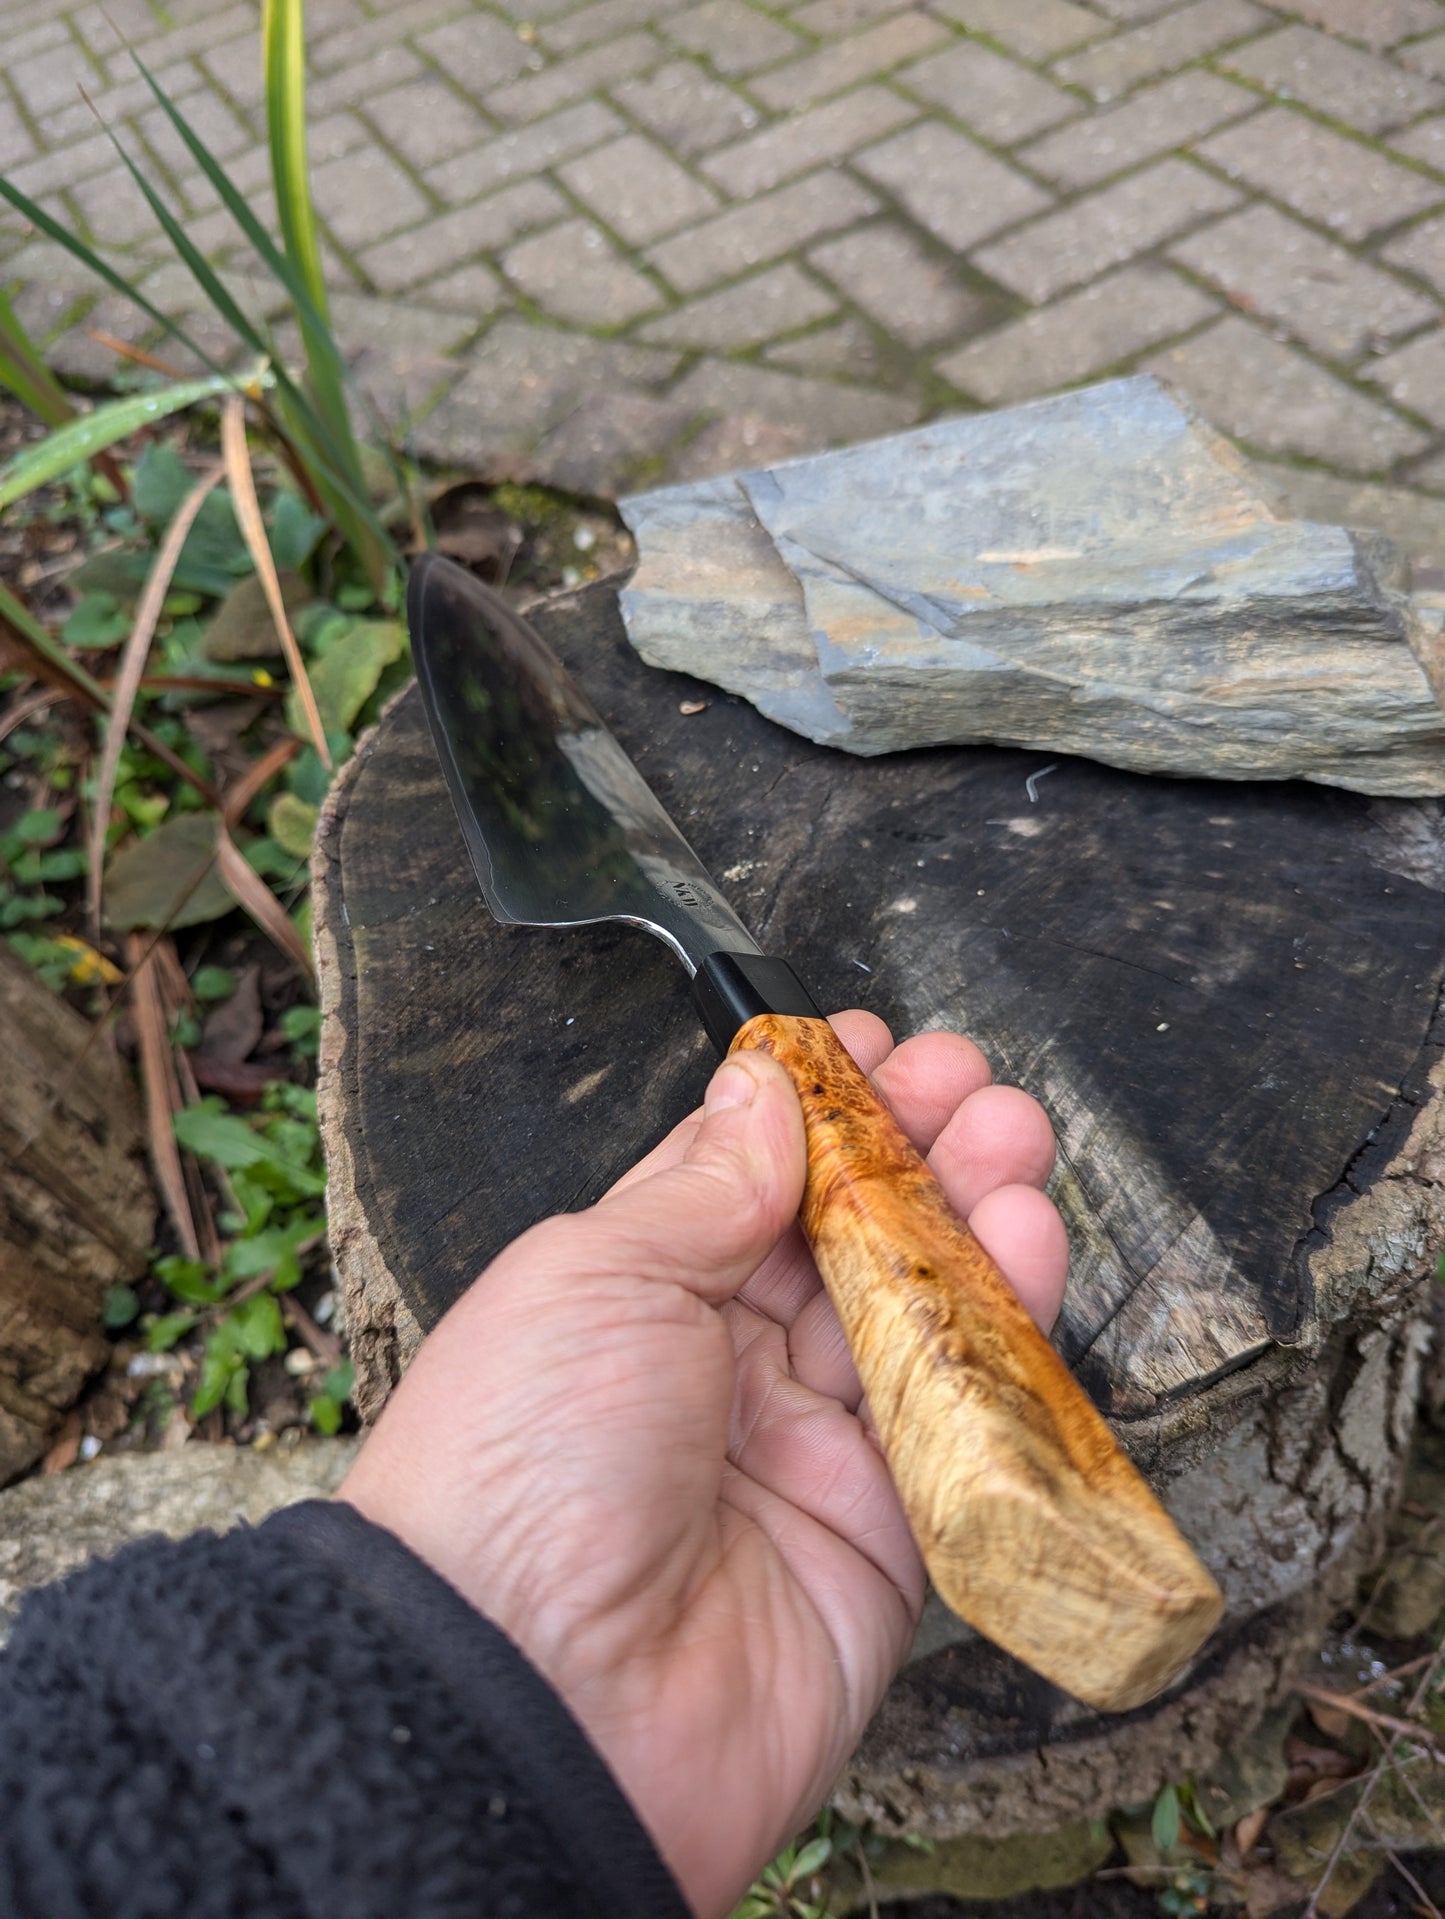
(401, 1735)
(584, 539)
(90, 1447)
(1162, 1027)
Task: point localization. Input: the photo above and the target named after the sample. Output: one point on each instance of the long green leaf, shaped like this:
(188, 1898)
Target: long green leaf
(93, 432)
(88, 257)
(26, 374)
(300, 414)
(284, 48)
(16, 615)
(327, 425)
(283, 41)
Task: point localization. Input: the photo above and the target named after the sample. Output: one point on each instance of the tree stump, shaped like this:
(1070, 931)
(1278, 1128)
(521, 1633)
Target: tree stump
(76, 1206)
(1226, 997)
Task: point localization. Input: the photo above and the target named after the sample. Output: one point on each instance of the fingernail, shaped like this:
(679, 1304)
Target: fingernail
(731, 1085)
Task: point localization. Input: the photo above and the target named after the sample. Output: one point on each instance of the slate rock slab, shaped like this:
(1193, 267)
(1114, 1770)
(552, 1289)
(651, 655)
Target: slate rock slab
(1095, 574)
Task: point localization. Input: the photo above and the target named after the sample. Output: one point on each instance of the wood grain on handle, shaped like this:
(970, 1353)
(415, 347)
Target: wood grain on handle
(1033, 1524)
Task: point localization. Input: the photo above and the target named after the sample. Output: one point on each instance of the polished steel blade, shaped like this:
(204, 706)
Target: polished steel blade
(562, 828)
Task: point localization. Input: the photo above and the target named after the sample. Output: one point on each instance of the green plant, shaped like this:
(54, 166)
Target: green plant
(787, 1888)
(271, 1167)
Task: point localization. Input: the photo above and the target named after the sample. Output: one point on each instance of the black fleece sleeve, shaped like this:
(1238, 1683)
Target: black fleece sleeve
(290, 1722)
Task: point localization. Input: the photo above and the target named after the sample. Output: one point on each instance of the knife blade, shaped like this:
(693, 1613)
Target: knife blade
(1034, 1525)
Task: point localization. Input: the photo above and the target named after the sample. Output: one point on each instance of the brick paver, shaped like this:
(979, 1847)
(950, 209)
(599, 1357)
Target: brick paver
(590, 238)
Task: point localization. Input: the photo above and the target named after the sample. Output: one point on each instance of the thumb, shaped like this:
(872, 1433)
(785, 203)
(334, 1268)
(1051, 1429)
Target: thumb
(707, 1221)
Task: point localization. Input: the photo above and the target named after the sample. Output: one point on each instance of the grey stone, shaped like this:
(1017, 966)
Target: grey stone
(51, 1525)
(1094, 574)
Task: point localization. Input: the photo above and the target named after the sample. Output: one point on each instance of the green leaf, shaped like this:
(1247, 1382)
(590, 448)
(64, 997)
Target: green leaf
(301, 1026)
(92, 433)
(307, 778)
(38, 827)
(346, 675)
(295, 531)
(118, 1307)
(325, 1414)
(210, 1132)
(168, 878)
(292, 824)
(189, 1280)
(1164, 1821)
(26, 374)
(211, 983)
(323, 430)
(259, 1329)
(160, 480)
(339, 1380)
(98, 621)
(163, 1332)
(63, 863)
(219, 1368)
(813, 1857)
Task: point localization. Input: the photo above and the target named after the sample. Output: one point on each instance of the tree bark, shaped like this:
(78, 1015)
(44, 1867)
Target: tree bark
(76, 1206)
(1227, 998)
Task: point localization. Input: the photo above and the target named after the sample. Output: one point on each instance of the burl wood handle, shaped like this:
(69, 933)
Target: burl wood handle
(1034, 1526)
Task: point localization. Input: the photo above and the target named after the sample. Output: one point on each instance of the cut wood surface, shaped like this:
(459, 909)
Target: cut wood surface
(1224, 995)
(77, 1210)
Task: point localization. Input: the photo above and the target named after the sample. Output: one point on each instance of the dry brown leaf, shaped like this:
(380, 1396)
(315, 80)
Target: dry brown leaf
(254, 896)
(248, 512)
(128, 678)
(162, 1093)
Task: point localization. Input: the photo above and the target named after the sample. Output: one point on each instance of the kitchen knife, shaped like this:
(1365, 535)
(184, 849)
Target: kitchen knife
(1034, 1526)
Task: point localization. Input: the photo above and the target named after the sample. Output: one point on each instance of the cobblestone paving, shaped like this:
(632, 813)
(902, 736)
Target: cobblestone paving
(604, 241)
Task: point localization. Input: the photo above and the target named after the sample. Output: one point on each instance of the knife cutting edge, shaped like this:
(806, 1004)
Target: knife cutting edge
(1034, 1525)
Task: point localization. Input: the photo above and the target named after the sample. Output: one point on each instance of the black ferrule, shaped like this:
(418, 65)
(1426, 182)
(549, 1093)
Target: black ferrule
(731, 988)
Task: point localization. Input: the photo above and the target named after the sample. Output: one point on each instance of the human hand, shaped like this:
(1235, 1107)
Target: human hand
(636, 1445)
